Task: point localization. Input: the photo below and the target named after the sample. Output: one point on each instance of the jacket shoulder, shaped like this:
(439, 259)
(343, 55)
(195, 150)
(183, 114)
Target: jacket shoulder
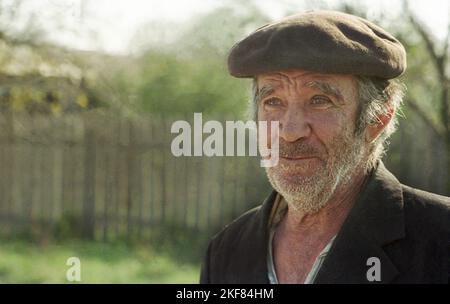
(428, 209)
(426, 200)
(232, 232)
(225, 247)
(237, 253)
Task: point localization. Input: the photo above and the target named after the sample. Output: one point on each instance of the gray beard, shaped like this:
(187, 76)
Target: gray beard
(312, 193)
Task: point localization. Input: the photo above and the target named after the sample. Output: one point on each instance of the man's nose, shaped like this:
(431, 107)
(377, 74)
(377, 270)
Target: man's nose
(294, 126)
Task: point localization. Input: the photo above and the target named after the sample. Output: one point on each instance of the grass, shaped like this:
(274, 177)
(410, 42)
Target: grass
(24, 261)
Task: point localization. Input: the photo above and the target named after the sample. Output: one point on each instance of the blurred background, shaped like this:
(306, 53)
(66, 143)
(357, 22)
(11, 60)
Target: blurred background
(88, 92)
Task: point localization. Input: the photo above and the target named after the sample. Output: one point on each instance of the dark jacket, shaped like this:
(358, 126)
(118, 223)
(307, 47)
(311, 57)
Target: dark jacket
(407, 229)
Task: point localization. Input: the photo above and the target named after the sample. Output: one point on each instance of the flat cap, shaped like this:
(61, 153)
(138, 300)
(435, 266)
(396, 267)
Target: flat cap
(321, 41)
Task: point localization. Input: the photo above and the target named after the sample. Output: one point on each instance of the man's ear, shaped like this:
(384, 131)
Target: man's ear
(375, 128)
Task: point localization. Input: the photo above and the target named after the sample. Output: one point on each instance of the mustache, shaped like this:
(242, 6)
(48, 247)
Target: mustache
(298, 149)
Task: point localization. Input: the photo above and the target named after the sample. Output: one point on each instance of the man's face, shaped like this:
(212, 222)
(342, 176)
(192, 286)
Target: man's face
(318, 148)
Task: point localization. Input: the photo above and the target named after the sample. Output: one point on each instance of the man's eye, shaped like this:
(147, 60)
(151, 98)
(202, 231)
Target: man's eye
(320, 100)
(272, 102)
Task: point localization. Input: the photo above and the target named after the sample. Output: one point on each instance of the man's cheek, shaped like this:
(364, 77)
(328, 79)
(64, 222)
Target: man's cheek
(273, 125)
(268, 141)
(265, 133)
(327, 127)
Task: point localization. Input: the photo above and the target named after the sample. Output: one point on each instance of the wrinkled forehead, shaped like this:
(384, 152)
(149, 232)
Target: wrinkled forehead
(338, 84)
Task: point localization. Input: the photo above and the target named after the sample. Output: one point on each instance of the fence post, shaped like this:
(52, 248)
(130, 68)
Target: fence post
(131, 169)
(88, 229)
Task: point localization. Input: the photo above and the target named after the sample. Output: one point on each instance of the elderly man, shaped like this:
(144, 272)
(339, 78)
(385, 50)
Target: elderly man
(337, 215)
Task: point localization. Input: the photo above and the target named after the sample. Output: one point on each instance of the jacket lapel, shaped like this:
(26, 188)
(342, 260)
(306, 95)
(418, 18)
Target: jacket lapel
(376, 220)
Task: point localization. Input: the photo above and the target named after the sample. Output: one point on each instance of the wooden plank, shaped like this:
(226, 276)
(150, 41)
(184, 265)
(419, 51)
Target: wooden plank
(222, 191)
(164, 201)
(185, 198)
(88, 229)
(117, 166)
(109, 186)
(152, 174)
(198, 190)
(52, 161)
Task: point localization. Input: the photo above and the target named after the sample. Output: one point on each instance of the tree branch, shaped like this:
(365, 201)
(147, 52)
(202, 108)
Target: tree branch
(437, 59)
(411, 102)
(446, 43)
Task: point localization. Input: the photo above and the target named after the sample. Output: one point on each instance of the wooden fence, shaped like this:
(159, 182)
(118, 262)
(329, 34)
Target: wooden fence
(106, 176)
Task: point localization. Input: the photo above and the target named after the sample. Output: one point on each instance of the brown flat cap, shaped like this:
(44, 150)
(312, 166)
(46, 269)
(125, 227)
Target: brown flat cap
(320, 41)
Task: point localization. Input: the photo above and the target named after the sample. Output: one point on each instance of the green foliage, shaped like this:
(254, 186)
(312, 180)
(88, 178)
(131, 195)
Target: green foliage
(190, 74)
(172, 86)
